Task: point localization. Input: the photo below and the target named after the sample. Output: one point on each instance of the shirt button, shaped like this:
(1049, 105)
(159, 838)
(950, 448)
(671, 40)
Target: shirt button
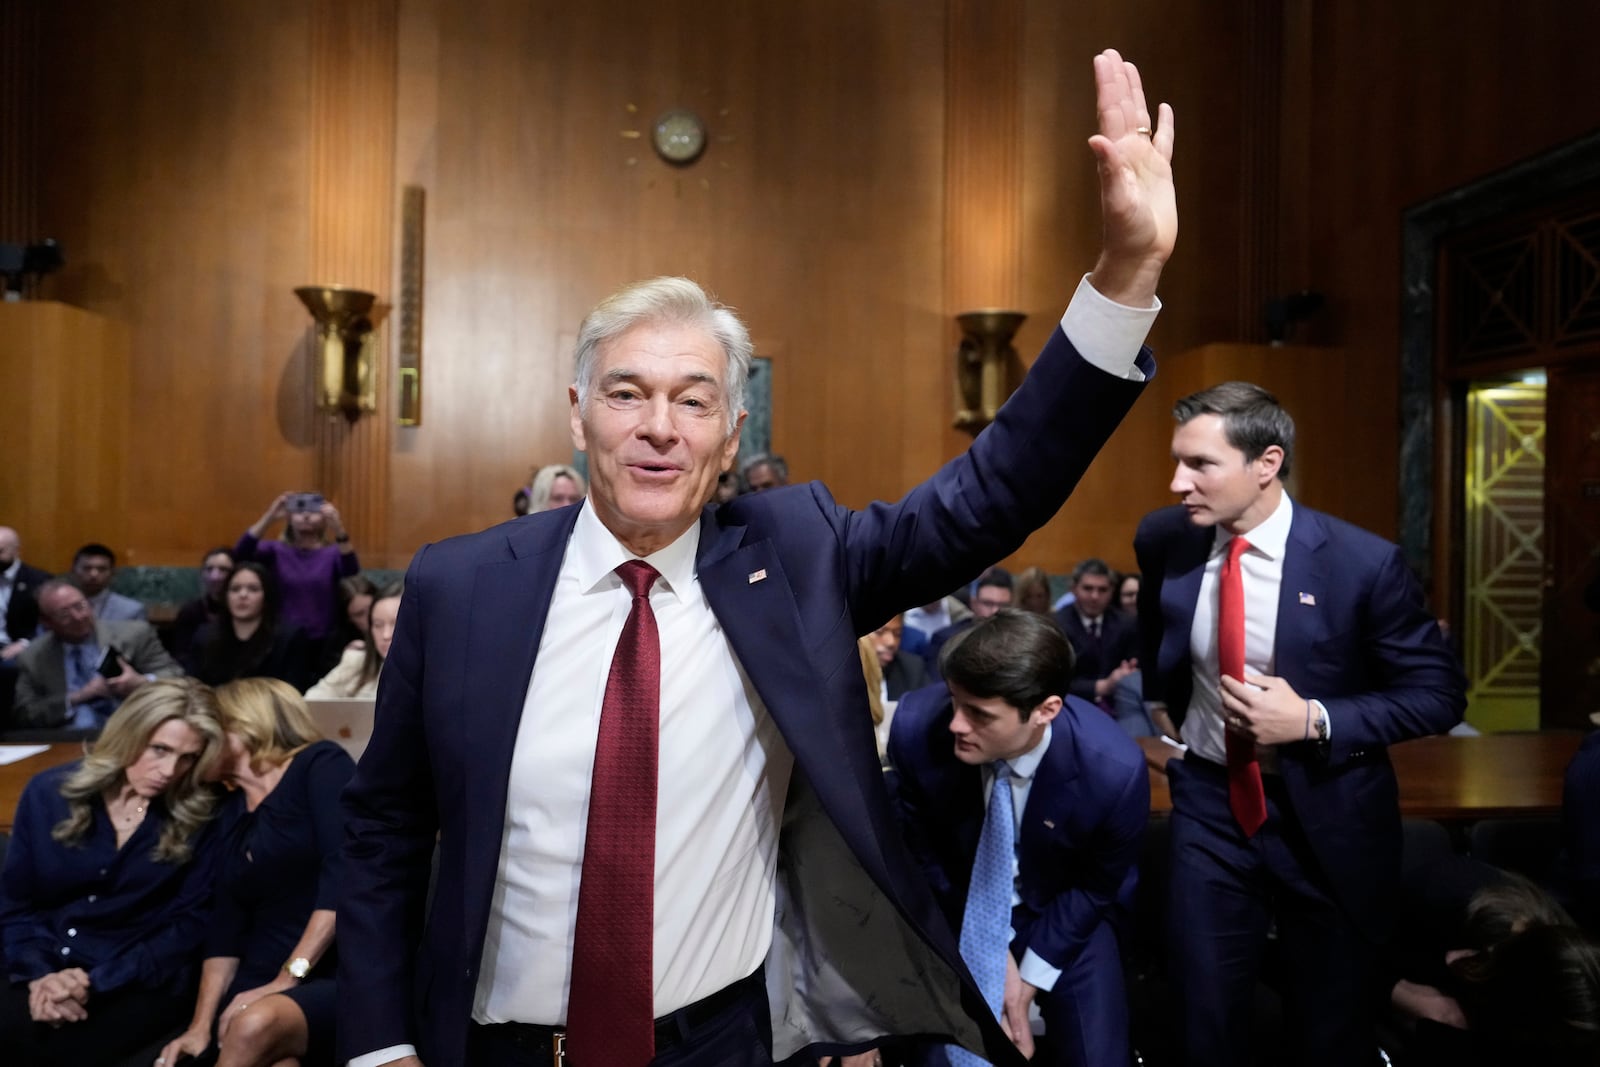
(93, 898)
(66, 951)
(72, 931)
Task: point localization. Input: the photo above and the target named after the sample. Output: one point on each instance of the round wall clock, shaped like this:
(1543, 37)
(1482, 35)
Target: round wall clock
(679, 136)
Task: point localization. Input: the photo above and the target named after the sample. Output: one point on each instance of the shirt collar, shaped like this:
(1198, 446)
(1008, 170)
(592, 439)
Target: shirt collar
(1270, 539)
(1026, 764)
(596, 553)
(1088, 623)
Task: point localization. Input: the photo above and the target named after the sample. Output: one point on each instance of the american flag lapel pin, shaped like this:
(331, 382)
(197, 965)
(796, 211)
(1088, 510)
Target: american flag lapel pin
(1308, 600)
(1050, 824)
(761, 576)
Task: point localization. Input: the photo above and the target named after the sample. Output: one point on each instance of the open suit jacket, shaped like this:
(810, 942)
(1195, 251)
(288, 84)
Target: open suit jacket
(1081, 830)
(859, 948)
(42, 681)
(1119, 640)
(1353, 632)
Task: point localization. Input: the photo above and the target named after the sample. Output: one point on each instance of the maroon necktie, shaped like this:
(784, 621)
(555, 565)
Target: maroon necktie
(1245, 795)
(611, 1009)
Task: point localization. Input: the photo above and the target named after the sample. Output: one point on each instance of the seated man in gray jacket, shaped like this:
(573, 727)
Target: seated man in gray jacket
(62, 683)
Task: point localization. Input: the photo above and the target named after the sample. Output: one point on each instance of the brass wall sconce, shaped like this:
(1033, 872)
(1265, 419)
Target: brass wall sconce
(347, 349)
(981, 365)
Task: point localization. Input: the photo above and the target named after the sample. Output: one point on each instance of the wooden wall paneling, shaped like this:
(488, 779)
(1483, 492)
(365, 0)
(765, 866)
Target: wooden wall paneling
(354, 53)
(19, 120)
(66, 372)
(176, 148)
(1399, 113)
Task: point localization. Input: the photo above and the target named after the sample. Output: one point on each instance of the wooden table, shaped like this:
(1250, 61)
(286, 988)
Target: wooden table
(13, 776)
(1449, 778)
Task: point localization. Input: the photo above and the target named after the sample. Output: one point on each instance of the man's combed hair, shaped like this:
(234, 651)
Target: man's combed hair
(95, 548)
(1252, 419)
(664, 301)
(1018, 656)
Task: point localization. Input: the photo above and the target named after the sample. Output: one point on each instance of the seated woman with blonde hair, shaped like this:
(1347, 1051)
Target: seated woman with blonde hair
(269, 956)
(357, 672)
(105, 895)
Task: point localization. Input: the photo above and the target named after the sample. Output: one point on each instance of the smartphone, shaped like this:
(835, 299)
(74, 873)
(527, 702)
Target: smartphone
(305, 501)
(110, 664)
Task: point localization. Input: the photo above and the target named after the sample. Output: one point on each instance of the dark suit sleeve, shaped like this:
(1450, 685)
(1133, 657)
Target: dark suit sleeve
(1152, 569)
(391, 825)
(1416, 687)
(1061, 931)
(982, 505)
(36, 706)
(145, 651)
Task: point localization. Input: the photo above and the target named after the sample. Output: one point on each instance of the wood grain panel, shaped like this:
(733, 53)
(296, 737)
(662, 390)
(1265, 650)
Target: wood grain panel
(19, 120)
(354, 57)
(205, 160)
(177, 142)
(64, 478)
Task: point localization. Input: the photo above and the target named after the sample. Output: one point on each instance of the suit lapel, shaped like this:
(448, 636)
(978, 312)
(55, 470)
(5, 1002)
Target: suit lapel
(750, 594)
(1180, 590)
(1054, 789)
(1305, 587)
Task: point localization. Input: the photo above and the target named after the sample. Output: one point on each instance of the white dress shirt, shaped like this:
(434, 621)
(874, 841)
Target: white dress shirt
(1261, 572)
(723, 767)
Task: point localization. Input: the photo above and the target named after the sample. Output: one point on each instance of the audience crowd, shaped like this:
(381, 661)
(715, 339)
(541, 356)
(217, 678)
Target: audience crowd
(173, 894)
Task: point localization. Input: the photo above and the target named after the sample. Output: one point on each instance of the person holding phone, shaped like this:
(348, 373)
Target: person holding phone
(83, 668)
(308, 564)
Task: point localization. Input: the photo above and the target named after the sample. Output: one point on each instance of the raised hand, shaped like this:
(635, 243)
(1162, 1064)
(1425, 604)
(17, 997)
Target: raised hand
(1138, 205)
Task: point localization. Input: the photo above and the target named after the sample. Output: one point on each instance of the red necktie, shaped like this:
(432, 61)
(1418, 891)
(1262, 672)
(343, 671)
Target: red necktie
(1245, 795)
(611, 1010)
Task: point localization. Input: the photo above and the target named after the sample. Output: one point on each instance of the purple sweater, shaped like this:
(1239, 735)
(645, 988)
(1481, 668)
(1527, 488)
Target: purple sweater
(308, 579)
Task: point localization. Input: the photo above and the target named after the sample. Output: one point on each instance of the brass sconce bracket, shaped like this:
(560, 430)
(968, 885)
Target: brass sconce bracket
(981, 361)
(347, 347)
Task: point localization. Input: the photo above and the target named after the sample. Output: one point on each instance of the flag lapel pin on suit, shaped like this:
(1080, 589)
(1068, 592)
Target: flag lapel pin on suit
(1050, 824)
(1308, 600)
(761, 576)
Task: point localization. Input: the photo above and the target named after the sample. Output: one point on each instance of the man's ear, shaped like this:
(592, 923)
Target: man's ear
(730, 448)
(1046, 711)
(575, 416)
(1271, 460)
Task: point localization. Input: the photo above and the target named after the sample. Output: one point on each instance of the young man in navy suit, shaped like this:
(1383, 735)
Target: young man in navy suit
(1079, 797)
(643, 645)
(1289, 649)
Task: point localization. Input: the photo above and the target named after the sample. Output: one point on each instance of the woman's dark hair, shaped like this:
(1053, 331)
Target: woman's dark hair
(225, 657)
(1536, 992)
(373, 663)
(1018, 656)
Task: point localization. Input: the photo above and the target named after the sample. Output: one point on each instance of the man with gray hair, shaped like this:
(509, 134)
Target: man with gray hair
(764, 471)
(637, 730)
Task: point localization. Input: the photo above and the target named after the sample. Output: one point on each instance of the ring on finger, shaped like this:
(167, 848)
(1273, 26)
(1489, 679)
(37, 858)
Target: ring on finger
(1147, 131)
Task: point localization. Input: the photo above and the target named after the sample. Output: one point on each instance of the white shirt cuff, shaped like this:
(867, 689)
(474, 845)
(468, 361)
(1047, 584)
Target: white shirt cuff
(383, 1055)
(1323, 711)
(1033, 969)
(1106, 333)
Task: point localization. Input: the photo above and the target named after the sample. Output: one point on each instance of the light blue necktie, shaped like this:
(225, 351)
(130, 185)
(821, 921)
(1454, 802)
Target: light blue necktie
(83, 663)
(986, 922)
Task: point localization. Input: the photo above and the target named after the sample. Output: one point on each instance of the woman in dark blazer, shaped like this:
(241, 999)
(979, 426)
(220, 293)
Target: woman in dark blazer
(107, 884)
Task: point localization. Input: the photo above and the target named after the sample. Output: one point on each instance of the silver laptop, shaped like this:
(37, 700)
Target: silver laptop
(349, 722)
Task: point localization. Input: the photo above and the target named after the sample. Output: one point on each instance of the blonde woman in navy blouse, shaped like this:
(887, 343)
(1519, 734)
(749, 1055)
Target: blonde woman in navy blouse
(107, 883)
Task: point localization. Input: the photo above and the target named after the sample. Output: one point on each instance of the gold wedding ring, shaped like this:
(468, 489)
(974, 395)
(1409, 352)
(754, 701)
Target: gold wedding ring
(1147, 131)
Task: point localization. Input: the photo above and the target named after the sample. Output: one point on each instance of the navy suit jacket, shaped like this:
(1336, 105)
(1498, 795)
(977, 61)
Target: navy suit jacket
(22, 614)
(1355, 633)
(1119, 640)
(1078, 851)
(451, 697)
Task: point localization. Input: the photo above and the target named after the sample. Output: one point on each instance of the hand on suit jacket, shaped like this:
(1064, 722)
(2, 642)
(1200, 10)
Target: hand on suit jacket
(1265, 709)
(1138, 206)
